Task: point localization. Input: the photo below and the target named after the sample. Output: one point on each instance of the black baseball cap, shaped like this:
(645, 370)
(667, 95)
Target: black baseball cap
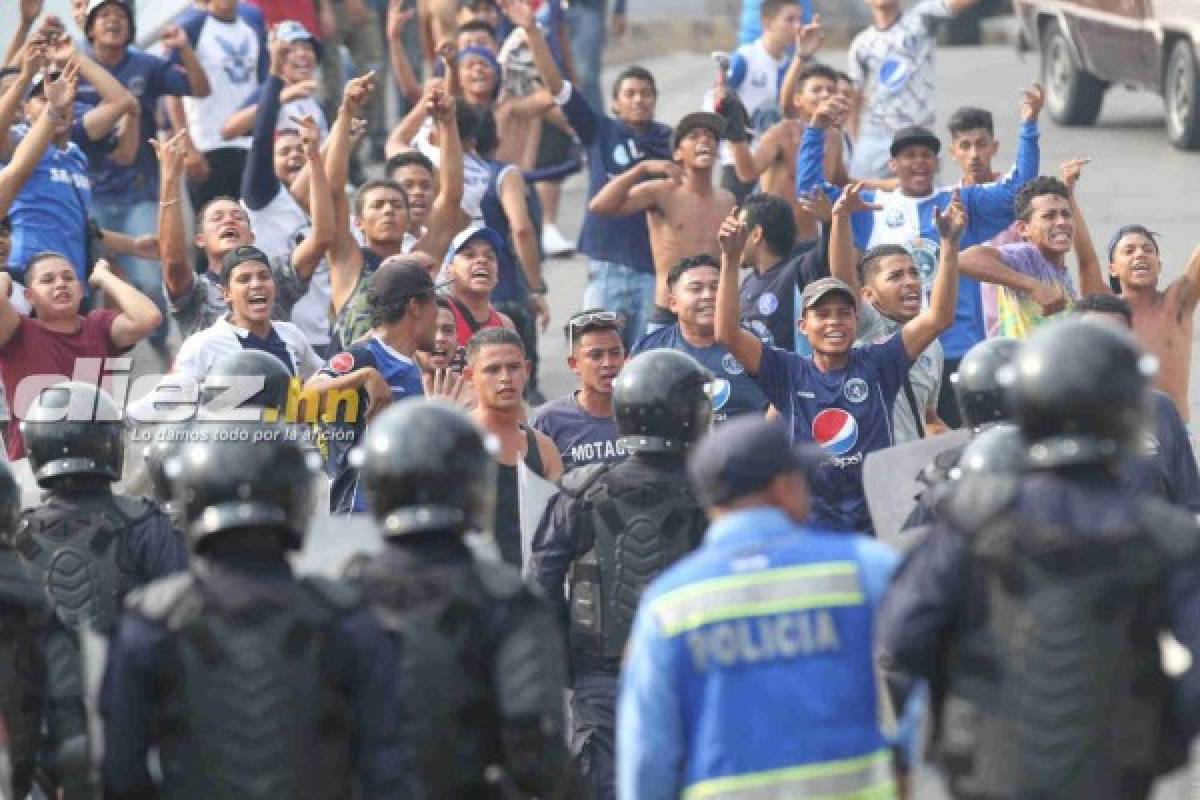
(743, 456)
(396, 280)
(241, 255)
(915, 135)
(698, 119)
(818, 289)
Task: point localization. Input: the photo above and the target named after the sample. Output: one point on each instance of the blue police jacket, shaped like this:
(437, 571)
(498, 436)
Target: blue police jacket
(749, 671)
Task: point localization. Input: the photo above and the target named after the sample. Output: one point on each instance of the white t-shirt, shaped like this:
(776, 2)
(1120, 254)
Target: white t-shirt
(230, 54)
(475, 172)
(894, 69)
(201, 350)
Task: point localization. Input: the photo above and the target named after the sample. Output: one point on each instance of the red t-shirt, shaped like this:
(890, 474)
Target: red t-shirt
(464, 329)
(35, 350)
(303, 11)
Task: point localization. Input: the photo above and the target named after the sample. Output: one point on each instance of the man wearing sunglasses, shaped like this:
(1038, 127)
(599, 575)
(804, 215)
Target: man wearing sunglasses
(582, 424)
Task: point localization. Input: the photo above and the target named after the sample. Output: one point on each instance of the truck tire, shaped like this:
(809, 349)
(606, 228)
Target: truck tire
(1181, 95)
(1072, 95)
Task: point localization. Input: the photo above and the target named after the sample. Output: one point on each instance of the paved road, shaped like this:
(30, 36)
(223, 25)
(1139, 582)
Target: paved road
(1134, 175)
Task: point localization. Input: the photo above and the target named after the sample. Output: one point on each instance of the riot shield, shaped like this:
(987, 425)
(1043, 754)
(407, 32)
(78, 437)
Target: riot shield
(333, 540)
(890, 480)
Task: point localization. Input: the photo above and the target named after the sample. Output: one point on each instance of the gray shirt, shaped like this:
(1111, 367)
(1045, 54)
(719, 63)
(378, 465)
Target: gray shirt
(925, 377)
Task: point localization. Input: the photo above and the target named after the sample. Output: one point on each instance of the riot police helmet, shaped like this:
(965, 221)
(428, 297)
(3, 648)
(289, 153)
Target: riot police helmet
(272, 380)
(237, 476)
(662, 402)
(10, 505)
(981, 399)
(425, 468)
(999, 450)
(1080, 392)
(74, 429)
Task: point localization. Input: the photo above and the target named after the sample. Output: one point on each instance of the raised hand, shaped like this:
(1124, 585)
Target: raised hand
(520, 12)
(304, 88)
(732, 235)
(171, 152)
(278, 49)
(440, 106)
(1070, 171)
(173, 38)
(447, 384)
(817, 204)
(1032, 100)
(33, 57)
(101, 271)
(851, 201)
(310, 135)
(830, 112)
(953, 221)
(810, 38)
(358, 92)
(447, 51)
(660, 168)
(60, 92)
(397, 17)
(358, 129)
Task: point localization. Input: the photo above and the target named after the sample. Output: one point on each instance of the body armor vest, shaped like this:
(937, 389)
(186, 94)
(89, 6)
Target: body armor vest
(1054, 687)
(448, 620)
(80, 555)
(250, 709)
(22, 667)
(638, 530)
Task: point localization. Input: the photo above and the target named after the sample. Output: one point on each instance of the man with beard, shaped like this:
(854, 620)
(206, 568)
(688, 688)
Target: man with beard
(380, 368)
(498, 369)
(222, 226)
(683, 208)
(889, 283)
(1051, 223)
(382, 212)
(1162, 319)
(692, 286)
(582, 424)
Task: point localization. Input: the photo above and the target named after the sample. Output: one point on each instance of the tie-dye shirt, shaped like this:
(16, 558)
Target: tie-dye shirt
(1017, 313)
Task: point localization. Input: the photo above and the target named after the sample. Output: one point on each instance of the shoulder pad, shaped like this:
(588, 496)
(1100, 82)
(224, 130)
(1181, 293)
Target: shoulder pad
(972, 503)
(340, 596)
(576, 482)
(500, 580)
(1174, 530)
(134, 509)
(170, 600)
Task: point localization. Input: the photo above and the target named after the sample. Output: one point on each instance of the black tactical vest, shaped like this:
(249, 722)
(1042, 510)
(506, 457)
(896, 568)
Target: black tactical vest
(23, 615)
(636, 530)
(448, 619)
(80, 555)
(250, 709)
(1054, 687)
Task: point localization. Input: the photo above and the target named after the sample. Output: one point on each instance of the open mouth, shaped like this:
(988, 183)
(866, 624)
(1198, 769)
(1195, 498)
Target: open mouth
(257, 302)
(1061, 238)
(481, 273)
(835, 337)
(230, 234)
(61, 295)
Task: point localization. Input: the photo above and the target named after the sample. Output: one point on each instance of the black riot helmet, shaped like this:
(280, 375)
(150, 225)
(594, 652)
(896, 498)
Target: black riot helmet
(425, 468)
(661, 402)
(74, 429)
(235, 476)
(1079, 389)
(981, 398)
(223, 379)
(999, 450)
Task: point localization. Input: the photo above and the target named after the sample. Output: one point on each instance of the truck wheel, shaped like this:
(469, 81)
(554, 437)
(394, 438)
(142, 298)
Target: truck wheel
(1181, 94)
(1072, 95)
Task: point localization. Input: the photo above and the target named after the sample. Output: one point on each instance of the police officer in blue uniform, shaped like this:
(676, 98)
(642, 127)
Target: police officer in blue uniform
(613, 529)
(88, 547)
(1034, 607)
(249, 681)
(483, 663)
(749, 671)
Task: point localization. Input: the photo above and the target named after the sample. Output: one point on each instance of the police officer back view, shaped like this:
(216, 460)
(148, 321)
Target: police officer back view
(252, 683)
(1035, 605)
(482, 664)
(614, 528)
(86, 547)
(23, 612)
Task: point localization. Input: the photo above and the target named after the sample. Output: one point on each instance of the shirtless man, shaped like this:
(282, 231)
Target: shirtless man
(1162, 320)
(683, 209)
(774, 159)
